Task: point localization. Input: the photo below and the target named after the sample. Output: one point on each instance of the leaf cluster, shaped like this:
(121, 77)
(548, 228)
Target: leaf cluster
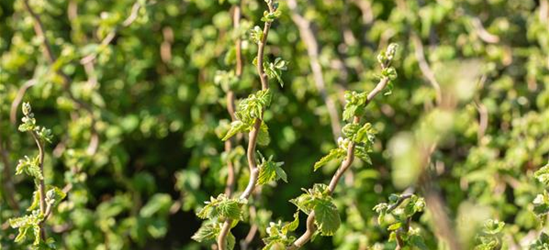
(319, 200)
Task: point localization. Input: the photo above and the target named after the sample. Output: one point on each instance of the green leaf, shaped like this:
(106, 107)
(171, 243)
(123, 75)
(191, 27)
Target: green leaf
(543, 175)
(44, 134)
(493, 227)
(263, 137)
(35, 201)
(230, 241)
(54, 196)
(361, 153)
(206, 232)
(394, 226)
(541, 203)
(334, 154)
(30, 167)
(29, 226)
(256, 34)
(270, 171)
(222, 208)
(291, 226)
(326, 217)
(417, 241)
(236, 127)
(355, 104)
(304, 202)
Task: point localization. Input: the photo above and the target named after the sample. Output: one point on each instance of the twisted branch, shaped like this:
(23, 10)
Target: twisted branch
(311, 227)
(250, 154)
(51, 58)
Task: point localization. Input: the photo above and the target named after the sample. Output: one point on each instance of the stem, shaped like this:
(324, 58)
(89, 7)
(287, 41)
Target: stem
(41, 183)
(230, 103)
(401, 199)
(254, 171)
(425, 68)
(51, 58)
(253, 229)
(311, 228)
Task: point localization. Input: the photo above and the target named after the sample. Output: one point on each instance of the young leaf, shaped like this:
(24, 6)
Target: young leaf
(230, 241)
(334, 154)
(543, 175)
(270, 171)
(263, 137)
(326, 217)
(29, 226)
(291, 226)
(222, 208)
(236, 127)
(35, 201)
(29, 167)
(54, 196)
(206, 232)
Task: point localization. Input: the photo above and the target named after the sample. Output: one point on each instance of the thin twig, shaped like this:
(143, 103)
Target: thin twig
(18, 98)
(311, 42)
(51, 58)
(482, 32)
(253, 229)
(111, 35)
(401, 199)
(41, 183)
(425, 68)
(230, 99)
(254, 171)
(311, 227)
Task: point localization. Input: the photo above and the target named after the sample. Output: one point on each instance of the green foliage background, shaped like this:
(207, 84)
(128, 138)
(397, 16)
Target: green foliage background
(156, 109)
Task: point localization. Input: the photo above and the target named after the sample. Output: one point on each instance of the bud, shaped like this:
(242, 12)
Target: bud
(26, 108)
(391, 51)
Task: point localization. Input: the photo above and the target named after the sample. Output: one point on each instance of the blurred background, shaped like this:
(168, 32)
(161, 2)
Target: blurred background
(135, 91)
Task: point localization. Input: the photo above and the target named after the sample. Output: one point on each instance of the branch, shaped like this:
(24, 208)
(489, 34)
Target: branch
(253, 229)
(230, 103)
(41, 183)
(50, 56)
(482, 32)
(254, 171)
(401, 199)
(425, 68)
(18, 98)
(108, 39)
(311, 43)
(311, 228)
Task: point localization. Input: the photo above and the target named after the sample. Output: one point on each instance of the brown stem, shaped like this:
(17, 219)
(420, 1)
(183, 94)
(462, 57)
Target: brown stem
(254, 171)
(238, 42)
(482, 32)
(311, 228)
(253, 229)
(230, 167)
(231, 105)
(51, 58)
(41, 183)
(18, 98)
